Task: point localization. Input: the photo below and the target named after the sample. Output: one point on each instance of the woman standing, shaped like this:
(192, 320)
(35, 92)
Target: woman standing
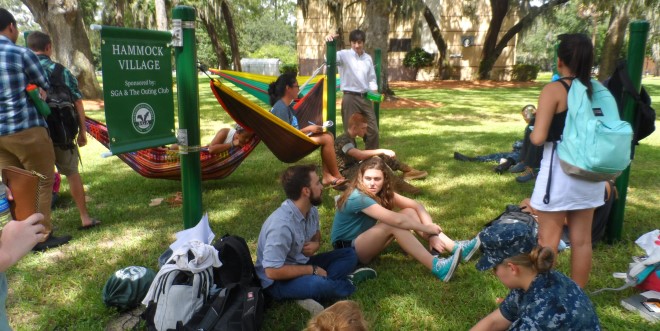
(569, 198)
(366, 220)
(282, 92)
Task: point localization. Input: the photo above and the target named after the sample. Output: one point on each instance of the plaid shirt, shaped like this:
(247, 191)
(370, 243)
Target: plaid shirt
(69, 79)
(18, 67)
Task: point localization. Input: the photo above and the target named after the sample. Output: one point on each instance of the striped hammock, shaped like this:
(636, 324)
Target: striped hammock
(163, 163)
(287, 143)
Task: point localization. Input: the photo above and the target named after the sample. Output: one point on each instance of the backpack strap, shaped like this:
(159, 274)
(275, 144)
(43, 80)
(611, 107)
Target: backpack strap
(57, 76)
(566, 86)
(546, 198)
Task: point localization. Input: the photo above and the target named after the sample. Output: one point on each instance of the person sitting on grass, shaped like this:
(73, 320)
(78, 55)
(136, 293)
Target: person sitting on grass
(282, 92)
(226, 139)
(540, 298)
(349, 156)
(287, 261)
(366, 220)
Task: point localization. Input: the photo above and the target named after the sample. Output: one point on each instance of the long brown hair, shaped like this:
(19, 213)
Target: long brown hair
(385, 197)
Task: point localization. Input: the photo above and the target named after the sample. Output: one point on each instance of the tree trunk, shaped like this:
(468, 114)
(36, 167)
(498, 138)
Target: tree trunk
(233, 38)
(113, 13)
(210, 26)
(63, 21)
(437, 38)
(376, 27)
(161, 15)
(492, 48)
(616, 33)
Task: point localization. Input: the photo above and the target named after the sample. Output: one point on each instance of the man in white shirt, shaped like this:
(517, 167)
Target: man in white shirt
(357, 75)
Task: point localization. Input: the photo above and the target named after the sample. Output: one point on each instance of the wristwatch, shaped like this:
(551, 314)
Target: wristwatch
(314, 270)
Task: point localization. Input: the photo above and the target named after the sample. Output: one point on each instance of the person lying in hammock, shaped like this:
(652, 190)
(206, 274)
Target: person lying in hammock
(226, 139)
(282, 92)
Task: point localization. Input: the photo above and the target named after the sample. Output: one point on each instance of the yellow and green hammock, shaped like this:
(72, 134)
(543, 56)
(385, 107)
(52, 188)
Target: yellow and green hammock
(287, 143)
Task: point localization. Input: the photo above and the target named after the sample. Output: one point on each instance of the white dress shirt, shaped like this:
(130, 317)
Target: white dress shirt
(356, 72)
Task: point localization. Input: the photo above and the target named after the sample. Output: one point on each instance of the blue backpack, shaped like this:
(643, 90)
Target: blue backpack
(596, 143)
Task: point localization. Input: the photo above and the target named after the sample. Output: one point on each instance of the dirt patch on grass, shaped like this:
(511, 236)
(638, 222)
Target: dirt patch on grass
(93, 104)
(397, 103)
(456, 84)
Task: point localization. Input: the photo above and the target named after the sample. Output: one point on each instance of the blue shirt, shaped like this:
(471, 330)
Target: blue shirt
(552, 302)
(285, 113)
(282, 238)
(69, 79)
(18, 67)
(350, 221)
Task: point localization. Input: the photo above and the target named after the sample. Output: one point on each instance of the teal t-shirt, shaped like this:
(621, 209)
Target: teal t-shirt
(350, 221)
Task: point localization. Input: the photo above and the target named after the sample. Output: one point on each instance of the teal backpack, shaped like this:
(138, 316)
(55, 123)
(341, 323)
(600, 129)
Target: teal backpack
(596, 143)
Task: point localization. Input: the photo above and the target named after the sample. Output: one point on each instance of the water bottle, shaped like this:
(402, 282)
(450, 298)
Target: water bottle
(375, 97)
(5, 214)
(33, 91)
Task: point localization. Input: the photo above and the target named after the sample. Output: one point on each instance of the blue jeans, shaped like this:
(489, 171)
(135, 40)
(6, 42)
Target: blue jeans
(338, 263)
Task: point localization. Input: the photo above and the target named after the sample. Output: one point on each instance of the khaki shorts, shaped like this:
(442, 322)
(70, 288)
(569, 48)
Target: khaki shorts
(66, 160)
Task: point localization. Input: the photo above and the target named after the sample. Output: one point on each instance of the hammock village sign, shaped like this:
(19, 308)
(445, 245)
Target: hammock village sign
(137, 88)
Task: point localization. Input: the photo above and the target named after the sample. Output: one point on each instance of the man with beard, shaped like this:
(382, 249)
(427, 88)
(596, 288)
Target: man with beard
(287, 263)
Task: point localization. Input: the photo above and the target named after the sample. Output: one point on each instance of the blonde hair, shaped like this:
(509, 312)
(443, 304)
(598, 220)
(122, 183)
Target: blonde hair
(540, 259)
(342, 316)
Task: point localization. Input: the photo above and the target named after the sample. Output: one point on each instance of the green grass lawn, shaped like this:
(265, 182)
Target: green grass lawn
(61, 288)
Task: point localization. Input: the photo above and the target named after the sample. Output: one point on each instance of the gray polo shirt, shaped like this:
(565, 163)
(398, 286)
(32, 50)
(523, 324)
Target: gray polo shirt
(282, 238)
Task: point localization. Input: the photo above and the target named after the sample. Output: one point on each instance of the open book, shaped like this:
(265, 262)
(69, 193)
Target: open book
(646, 303)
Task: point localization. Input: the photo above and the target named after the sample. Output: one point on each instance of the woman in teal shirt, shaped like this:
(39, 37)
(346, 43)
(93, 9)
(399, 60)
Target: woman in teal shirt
(366, 220)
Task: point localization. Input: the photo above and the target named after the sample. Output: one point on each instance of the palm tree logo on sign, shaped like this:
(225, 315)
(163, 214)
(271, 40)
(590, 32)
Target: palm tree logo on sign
(144, 118)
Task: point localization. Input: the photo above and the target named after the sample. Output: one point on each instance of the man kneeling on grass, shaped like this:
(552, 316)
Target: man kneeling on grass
(287, 263)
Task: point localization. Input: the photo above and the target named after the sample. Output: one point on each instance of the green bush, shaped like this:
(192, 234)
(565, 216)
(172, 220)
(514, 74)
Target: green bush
(525, 72)
(289, 68)
(417, 58)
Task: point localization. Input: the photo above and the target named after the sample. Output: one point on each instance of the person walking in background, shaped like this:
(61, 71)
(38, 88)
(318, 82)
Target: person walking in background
(540, 298)
(358, 77)
(24, 140)
(66, 157)
(570, 199)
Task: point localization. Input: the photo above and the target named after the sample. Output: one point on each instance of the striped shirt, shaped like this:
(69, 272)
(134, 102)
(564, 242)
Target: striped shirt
(18, 67)
(69, 79)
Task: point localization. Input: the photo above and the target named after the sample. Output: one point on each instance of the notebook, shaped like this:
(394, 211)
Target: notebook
(646, 303)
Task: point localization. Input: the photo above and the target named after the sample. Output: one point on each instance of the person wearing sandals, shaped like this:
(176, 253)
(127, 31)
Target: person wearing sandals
(367, 221)
(282, 92)
(540, 298)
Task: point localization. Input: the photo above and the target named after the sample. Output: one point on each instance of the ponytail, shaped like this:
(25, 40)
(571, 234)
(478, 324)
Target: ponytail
(277, 88)
(577, 52)
(541, 259)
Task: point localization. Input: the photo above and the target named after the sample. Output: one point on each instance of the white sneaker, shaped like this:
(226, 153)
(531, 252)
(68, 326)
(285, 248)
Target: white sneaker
(312, 306)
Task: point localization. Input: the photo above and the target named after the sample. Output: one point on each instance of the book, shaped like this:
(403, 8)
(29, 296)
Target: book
(646, 303)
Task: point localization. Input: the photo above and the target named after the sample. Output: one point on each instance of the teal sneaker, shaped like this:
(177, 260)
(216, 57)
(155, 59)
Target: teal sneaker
(360, 275)
(444, 268)
(468, 248)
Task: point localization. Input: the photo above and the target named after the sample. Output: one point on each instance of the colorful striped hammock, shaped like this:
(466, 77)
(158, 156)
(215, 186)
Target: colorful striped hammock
(163, 163)
(287, 143)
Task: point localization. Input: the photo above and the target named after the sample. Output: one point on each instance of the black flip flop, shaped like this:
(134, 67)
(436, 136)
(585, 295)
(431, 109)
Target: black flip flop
(95, 222)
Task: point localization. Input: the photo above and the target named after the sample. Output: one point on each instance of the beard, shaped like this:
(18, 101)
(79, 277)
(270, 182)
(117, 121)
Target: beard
(316, 200)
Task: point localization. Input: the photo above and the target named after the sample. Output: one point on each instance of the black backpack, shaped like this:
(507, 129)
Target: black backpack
(619, 83)
(63, 119)
(513, 214)
(240, 304)
(237, 265)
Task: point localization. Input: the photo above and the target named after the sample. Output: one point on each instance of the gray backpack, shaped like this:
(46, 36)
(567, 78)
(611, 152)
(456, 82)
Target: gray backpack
(180, 294)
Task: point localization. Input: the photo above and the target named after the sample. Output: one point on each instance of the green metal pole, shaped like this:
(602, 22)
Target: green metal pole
(183, 19)
(379, 60)
(636, 47)
(331, 76)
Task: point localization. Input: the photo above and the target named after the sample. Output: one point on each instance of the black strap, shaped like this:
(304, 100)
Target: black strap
(566, 86)
(57, 76)
(546, 198)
